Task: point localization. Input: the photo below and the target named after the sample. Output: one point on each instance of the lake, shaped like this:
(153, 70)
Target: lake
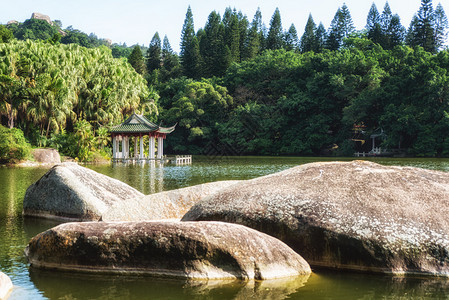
(15, 232)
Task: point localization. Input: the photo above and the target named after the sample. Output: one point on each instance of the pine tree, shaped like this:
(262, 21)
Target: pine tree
(253, 43)
(321, 37)
(426, 21)
(410, 38)
(385, 18)
(395, 33)
(335, 35)
(170, 62)
(374, 26)
(243, 28)
(274, 38)
(154, 53)
(291, 39)
(441, 26)
(421, 31)
(346, 23)
(190, 56)
(234, 37)
(136, 60)
(211, 47)
(373, 18)
(309, 40)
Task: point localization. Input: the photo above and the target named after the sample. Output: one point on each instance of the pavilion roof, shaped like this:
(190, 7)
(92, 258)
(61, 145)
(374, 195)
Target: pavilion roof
(139, 124)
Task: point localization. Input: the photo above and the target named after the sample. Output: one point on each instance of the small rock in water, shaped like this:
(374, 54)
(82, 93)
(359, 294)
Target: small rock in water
(5, 286)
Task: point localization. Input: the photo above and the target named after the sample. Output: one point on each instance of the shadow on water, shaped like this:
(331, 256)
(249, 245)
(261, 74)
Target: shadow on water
(61, 285)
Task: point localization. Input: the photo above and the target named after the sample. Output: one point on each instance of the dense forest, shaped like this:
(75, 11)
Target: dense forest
(237, 87)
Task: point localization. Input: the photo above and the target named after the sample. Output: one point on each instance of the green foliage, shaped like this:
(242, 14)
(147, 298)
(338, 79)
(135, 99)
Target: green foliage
(275, 34)
(341, 27)
(5, 34)
(428, 27)
(309, 41)
(13, 145)
(291, 39)
(196, 106)
(35, 29)
(49, 88)
(154, 54)
(190, 52)
(136, 60)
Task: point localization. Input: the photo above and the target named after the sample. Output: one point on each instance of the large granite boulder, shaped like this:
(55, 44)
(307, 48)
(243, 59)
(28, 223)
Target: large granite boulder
(200, 250)
(5, 286)
(46, 156)
(355, 215)
(72, 192)
(164, 205)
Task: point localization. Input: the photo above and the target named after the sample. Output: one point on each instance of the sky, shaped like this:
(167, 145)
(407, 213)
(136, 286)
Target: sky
(136, 21)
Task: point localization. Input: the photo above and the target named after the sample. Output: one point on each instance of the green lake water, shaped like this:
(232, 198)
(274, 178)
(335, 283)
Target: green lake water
(15, 232)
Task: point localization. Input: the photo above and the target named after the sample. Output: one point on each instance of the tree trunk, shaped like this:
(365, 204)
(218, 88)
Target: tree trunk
(48, 128)
(10, 119)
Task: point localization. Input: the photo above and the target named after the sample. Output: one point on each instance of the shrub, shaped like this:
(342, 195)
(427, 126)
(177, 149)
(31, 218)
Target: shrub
(13, 145)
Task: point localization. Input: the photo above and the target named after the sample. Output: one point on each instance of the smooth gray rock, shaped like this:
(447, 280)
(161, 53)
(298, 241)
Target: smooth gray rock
(164, 205)
(6, 286)
(47, 156)
(72, 192)
(202, 250)
(355, 215)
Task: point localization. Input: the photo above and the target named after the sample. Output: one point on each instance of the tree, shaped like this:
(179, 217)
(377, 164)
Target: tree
(233, 36)
(441, 26)
(136, 60)
(190, 55)
(5, 34)
(274, 38)
(154, 55)
(341, 27)
(291, 39)
(13, 145)
(214, 52)
(170, 62)
(243, 27)
(422, 28)
(197, 106)
(309, 41)
(335, 35)
(35, 29)
(374, 26)
(373, 18)
(345, 21)
(321, 37)
(254, 40)
(395, 33)
(385, 18)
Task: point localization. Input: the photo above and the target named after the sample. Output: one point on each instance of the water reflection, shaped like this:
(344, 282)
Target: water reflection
(57, 285)
(333, 285)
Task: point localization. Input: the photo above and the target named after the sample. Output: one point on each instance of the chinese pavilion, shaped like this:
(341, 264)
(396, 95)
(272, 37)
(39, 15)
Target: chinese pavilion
(138, 126)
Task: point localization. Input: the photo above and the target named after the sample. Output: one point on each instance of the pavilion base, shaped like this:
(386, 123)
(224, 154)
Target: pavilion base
(176, 159)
